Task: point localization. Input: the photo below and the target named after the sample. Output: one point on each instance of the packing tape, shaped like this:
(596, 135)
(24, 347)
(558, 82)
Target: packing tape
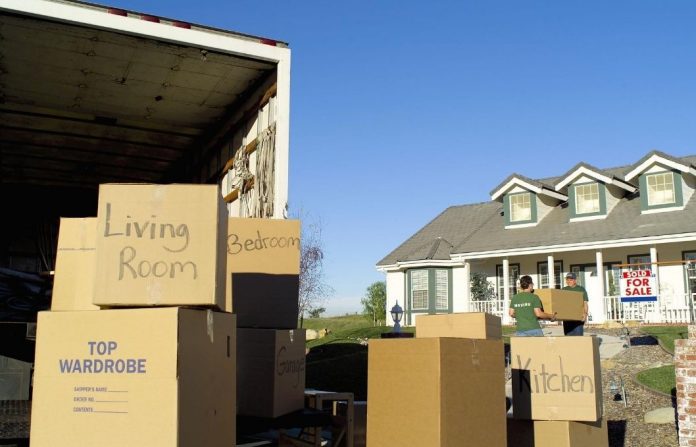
(159, 194)
(209, 325)
(154, 293)
(475, 361)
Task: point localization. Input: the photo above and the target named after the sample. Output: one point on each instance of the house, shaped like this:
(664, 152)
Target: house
(598, 223)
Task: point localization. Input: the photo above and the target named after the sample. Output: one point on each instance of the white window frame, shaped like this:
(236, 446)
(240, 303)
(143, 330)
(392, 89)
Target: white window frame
(520, 203)
(416, 281)
(441, 287)
(514, 274)
(660, 189)
(587, 194)
(543, 268)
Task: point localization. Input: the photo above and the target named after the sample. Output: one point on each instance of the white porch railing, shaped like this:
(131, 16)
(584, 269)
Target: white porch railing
(493, 307)
(671, 309)
(668, 309)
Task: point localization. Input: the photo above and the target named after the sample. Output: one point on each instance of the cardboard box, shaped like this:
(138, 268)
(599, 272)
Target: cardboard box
(462, 325)
(270, 371)
(556, 378)
(426, 392)
(73, 283)
(523, 433)
(263, 272)
(567, 304)
(160, 245)
(160, 377)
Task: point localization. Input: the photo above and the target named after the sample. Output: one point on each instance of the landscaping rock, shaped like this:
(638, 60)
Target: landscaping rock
(663, 415)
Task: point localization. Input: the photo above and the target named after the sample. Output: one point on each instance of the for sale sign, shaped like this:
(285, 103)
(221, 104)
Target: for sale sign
(638, 285)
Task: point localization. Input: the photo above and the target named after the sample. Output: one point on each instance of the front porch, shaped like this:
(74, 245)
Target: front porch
(667, 309)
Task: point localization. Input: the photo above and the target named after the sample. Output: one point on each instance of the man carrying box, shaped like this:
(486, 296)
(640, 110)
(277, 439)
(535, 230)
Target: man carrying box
(575, 327)
(526, 308)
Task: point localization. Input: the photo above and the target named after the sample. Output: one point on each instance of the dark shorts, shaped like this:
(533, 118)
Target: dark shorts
(573, 328)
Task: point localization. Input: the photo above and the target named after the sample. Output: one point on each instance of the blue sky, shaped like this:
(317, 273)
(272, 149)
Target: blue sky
(400, 109)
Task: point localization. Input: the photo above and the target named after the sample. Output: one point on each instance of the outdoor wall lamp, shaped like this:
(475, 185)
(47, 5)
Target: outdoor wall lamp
(396, 313)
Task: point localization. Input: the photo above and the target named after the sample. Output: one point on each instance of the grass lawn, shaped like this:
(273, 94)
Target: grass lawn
(337, 323)
(661, 379)
(338, 361)
(666, 334)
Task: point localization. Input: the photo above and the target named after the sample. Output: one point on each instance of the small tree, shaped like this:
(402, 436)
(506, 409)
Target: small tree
(316, 312)
(313, 290)
(375, 302)
(481, 288)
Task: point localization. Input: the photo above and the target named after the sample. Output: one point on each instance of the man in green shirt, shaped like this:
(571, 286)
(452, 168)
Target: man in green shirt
(526, 308)
(575, 327)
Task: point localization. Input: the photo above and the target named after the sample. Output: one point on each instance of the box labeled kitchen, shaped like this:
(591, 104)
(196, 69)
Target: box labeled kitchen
(556, 378)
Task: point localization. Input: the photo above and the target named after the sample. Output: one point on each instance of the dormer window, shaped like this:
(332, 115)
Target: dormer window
(660, 189)
(520, 207)
(587, 199)
(525, 202)
(666, 183)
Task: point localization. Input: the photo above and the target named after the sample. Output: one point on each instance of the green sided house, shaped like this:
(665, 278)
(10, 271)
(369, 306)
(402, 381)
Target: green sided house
(601, 224)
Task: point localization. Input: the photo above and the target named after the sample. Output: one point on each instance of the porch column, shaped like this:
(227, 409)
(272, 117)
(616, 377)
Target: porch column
(597, 307)
(467, 288)
(655, 270)
(552, 273)
(506, 290)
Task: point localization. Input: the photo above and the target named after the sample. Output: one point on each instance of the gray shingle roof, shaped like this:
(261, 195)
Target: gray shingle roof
(453, 225)
(481, 227)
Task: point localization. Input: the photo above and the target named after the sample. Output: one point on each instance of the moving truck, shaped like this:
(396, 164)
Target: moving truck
(93, 94)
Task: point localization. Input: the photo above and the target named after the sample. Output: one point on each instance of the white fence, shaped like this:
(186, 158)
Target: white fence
(679, 310)
(493, 307)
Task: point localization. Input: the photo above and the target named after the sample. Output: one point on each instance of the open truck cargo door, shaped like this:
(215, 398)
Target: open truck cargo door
(91, 94)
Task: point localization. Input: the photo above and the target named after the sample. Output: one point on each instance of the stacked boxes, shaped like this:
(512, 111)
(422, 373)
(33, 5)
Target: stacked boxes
(263, 266)
(438, 389)
(556, 392)
(139, 373)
